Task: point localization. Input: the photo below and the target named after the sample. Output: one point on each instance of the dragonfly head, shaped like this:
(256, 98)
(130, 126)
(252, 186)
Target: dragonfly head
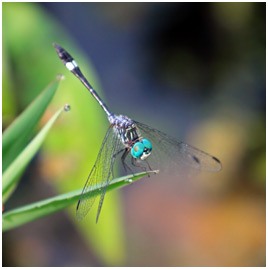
(141, 150)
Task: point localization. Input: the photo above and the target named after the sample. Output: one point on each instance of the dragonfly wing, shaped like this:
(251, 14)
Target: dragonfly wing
(168, 150)
(115, 147)
(99, 176)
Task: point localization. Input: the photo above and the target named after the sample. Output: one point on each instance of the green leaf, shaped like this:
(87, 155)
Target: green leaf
(27, 213)
(12, 173)
(19, 132)
(60, 146)
(9, 192)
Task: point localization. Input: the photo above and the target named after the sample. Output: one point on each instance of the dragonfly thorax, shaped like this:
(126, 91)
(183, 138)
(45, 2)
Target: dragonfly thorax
(125, 129)
(130, 136)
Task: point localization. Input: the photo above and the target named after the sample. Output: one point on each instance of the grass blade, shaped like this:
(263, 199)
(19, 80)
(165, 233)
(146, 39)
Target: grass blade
(15, 169)
(27, 213)
(19, 132)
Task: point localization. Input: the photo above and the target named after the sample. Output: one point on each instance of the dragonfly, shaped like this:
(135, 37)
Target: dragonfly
(139, 145)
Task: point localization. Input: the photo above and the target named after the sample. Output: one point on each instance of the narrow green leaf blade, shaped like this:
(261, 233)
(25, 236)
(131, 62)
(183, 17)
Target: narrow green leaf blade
(28, 213)
(15, 169)
(19, 132)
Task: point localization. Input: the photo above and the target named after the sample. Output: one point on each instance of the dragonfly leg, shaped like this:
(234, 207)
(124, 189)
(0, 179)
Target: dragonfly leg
(123, 158)
(113, 157)
(148, 165)
(135, 163)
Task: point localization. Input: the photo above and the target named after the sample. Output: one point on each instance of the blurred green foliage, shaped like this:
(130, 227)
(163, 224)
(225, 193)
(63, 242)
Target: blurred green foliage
(69, 152)
(18, 133)
(15, 151)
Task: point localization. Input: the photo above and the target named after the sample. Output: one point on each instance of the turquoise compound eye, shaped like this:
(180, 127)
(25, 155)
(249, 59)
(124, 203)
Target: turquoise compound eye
(147, 144)
(137, 150)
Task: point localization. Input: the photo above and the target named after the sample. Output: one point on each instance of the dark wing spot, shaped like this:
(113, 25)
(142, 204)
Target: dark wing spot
(196, 159)
(78, 205)
(216, 159)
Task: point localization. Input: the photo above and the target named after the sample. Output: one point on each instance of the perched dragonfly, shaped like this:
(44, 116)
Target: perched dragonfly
(143, 146)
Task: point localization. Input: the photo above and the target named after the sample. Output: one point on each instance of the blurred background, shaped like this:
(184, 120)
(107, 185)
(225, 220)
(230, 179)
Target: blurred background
(193, 70)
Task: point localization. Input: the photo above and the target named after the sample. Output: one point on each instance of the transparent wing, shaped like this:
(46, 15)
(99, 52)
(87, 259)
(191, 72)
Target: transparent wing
(169, 152)
(100, 175)
(116, 147)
